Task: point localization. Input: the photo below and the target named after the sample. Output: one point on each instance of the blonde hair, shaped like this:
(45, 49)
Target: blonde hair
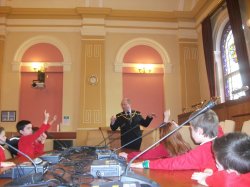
(174, 143)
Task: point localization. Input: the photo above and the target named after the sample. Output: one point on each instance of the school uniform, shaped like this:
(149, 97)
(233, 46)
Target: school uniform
(27, 144)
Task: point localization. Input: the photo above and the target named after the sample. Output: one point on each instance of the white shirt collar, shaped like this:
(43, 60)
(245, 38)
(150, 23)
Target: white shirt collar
(208, 140)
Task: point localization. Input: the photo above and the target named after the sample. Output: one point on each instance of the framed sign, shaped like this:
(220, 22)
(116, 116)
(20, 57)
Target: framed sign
(8, 116)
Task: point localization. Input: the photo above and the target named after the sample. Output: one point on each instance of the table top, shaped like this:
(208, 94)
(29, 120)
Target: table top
(81, 168)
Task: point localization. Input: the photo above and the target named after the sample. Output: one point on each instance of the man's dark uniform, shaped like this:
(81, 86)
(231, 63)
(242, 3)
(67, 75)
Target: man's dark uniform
(129, 125)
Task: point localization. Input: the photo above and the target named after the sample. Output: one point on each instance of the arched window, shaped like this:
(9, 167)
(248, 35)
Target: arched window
(230, 66)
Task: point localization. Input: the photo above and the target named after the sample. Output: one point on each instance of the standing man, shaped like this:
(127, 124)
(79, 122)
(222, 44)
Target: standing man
(129, 122)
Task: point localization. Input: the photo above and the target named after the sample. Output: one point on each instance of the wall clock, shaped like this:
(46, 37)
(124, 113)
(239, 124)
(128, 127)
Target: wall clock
(93, 80)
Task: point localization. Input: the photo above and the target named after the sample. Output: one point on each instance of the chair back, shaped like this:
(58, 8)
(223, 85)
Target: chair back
(186, 135)
(246, 127)
(227, 126)
(7, 154)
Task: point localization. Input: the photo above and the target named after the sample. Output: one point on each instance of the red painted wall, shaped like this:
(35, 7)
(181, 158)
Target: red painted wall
(42, 52)
(142, 54)
(146, 94)
(34, 101)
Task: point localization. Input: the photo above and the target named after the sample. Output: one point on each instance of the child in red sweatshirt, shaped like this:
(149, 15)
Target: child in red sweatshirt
(2, 154)
(232, 154)
(204, 129)
(28, 141)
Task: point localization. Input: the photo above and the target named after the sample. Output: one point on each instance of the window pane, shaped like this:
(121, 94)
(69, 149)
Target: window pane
(232, 77)
(234, 83)
(230, 52)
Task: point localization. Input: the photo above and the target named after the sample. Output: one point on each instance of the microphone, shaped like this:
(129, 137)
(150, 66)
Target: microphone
(61, 144)
(113, 154)
(104, 139)
(161, 125)
(124, 133)
(130, 176)
(24, 180)
(25, 155)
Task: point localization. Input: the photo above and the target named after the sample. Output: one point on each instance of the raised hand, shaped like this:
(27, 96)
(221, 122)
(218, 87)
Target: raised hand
(151, 115)
(166, 116)
(112, 120)
(46, 117)
(53, 120)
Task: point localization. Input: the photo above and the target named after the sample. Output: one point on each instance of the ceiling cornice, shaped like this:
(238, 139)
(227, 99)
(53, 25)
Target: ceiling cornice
(208, 7)
(82, 12)
(201, 9)
(4, 11)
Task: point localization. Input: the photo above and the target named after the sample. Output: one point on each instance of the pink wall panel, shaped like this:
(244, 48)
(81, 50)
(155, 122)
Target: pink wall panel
(142, 54)
(146, 93)
(42, 52)
(145, 90)
(33, 101)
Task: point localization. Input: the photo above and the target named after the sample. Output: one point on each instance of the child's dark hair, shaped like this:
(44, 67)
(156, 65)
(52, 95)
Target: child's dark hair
(208, 122)
(1, 129)
(21, 124)
(233, 151)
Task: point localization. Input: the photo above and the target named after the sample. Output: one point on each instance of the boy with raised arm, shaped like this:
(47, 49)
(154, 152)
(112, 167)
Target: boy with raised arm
(28, 140)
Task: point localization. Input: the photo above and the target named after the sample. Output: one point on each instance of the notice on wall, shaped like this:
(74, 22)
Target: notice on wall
(66, 120)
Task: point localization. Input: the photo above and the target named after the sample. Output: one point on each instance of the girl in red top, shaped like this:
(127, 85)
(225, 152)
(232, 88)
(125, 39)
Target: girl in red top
(2, 154)
(28, 140)
(232, 154)
(172, 146)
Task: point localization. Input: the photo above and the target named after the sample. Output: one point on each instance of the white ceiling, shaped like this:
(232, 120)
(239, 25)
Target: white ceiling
(149, 5)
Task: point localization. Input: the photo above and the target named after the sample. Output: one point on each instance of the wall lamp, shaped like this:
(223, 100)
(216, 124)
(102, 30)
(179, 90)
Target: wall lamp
(145, 68)
(37, 66)
(40, 81)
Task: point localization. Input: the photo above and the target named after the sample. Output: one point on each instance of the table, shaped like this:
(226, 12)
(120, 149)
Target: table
(162, 177)
(169, 178)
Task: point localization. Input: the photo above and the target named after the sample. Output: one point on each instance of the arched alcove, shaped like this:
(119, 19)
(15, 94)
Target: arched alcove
(119, 64)
(66, 63)
(146, 90)
(34, 100)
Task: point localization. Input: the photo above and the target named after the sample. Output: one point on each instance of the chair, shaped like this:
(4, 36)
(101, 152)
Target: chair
(13, 141)
(7, 154)
(246, 127)
(48, 145)
(149, 139)
(227, 126)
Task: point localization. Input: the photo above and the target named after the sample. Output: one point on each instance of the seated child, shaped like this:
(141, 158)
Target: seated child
(27, 143)
(39, 143)
(169, 147)
(232, 154)
(204, 129)
(2, 154)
